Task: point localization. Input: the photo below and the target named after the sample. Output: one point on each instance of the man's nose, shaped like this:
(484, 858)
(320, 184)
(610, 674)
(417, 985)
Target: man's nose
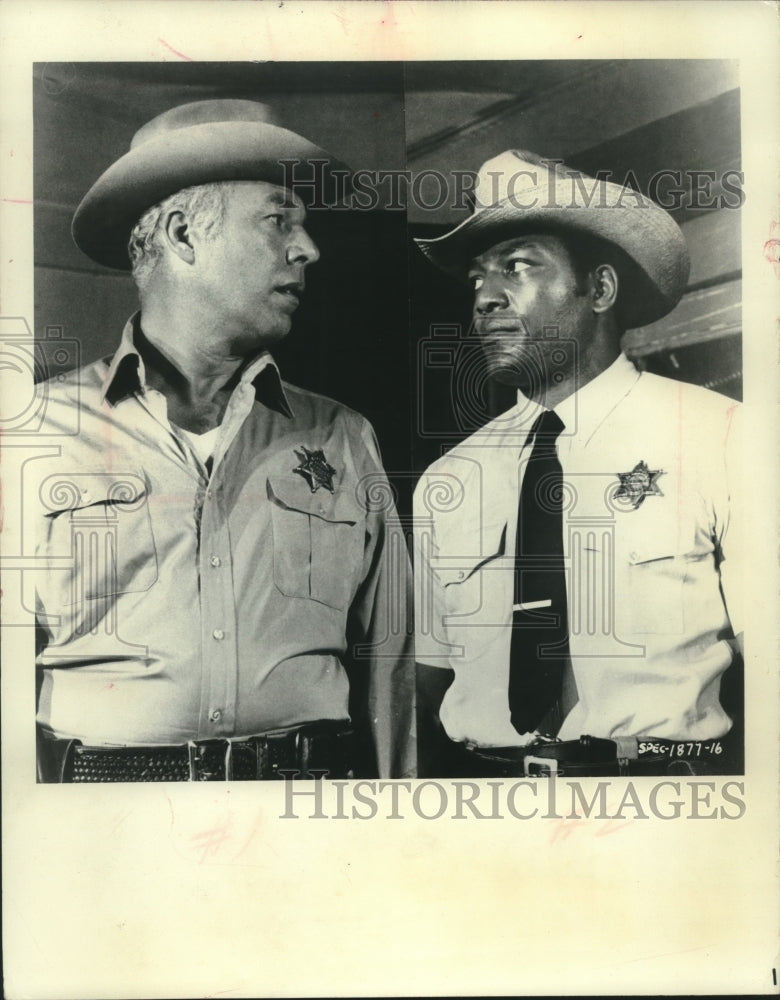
(490, 296)
(302, 249)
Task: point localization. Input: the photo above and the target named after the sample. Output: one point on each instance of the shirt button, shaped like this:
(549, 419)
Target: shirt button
(218, 633)
(215, 561)
(216, 715)
(209, 494)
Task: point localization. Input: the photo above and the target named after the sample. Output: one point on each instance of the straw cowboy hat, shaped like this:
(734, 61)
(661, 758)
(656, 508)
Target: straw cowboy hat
(518, 191)
(199, 143)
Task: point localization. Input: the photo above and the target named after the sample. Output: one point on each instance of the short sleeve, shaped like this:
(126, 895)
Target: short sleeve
(732, 523)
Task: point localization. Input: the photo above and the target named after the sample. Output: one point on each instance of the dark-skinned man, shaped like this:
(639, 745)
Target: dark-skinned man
(577, 559)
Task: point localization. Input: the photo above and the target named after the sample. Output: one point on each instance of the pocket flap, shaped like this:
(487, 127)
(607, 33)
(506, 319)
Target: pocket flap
(650, 553)
(63, 492)
(457, 561)
(650, 539)
(293, 493)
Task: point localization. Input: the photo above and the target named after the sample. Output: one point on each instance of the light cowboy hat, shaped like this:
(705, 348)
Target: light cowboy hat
(199, 143)
(518, 191)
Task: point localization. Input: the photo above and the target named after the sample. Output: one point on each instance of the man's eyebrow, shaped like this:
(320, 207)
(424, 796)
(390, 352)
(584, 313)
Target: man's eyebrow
(274, 202)
(282, 199)
(521, 243)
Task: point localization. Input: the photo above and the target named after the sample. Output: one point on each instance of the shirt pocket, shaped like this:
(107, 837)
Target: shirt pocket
(101, 521)
(471, 593)
(658, 551)
(318, 541)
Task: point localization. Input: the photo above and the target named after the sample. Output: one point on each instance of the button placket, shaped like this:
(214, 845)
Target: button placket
(220, 669)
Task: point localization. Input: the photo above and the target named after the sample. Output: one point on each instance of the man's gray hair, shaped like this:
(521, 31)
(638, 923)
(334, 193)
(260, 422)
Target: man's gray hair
(204, 206)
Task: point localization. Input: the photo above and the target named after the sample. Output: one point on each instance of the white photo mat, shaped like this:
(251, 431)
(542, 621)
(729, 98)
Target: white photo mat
(187, 891)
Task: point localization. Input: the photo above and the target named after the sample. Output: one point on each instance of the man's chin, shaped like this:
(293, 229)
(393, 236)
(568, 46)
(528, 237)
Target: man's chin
(508, 376)
(261, 339)
(513, 372)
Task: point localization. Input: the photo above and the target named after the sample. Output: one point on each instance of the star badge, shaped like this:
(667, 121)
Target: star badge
(637, 484)
(315, 469)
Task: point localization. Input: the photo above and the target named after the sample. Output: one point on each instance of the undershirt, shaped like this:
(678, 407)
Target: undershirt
(204, 444)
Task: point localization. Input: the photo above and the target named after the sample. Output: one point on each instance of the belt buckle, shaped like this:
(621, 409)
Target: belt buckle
(548, 766)
(200, 769)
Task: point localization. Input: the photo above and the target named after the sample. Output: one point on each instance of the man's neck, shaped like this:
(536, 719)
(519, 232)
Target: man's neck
(590, 367)
(553, 395)
(197, 386)
(186, 373)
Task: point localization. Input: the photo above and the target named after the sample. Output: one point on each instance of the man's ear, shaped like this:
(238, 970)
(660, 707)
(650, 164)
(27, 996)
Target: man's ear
(605, 288)
(178, 236)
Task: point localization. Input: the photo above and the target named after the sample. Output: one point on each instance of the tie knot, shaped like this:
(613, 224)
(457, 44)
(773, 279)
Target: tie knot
(546, 428)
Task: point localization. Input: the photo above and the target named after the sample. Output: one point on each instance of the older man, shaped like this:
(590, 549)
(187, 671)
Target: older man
(577, 567)
(223, 599)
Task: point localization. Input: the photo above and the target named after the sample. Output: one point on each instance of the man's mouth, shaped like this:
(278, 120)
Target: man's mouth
(503, 338)
(501, 328)
(291, 290)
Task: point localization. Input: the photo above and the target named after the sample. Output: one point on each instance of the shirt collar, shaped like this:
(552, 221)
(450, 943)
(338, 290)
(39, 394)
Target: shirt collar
(585, 410)
(126, 374)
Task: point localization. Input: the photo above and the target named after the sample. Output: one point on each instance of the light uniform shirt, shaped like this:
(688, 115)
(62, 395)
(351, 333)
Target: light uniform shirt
(184, 604)
(653, 590)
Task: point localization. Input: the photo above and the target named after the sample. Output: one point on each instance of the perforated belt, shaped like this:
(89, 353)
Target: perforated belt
(325, 748)
(591, 756)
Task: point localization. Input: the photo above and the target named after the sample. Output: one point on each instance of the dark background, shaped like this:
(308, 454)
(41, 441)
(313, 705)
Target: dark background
(375, 307)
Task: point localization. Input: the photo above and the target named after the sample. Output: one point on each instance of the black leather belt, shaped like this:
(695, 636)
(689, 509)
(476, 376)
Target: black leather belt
(590, 756)
(325, 748)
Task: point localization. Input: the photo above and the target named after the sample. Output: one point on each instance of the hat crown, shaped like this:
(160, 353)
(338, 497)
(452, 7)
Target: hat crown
(515, 173)
(203, 113)
(203, 142)
(518, 188)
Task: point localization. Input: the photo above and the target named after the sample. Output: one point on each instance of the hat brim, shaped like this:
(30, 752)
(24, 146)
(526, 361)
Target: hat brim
(199, 154)
(644, 232)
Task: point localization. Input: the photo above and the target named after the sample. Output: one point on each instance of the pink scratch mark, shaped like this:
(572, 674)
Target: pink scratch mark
(772, 251)
(119, 822)
(255, 827)
(772, 248)
(564, 827)
(18, 201)
(211, 840)
(175, 51)
(170, 809)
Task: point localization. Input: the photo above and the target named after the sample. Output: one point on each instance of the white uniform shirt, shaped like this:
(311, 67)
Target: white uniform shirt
(653, 590)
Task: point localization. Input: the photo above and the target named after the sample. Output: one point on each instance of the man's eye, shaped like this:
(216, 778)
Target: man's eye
(277, 219)
(476, 281)
(516, 266)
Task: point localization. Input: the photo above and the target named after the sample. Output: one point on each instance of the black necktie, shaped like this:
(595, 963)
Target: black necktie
(540, 628)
